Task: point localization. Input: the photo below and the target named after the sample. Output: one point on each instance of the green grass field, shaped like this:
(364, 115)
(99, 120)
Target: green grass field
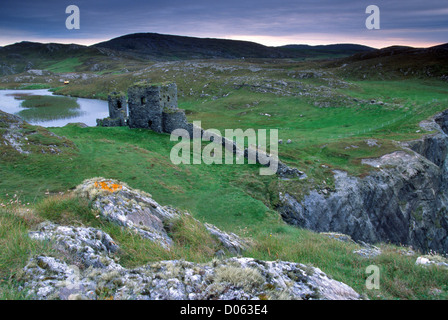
(67, 65)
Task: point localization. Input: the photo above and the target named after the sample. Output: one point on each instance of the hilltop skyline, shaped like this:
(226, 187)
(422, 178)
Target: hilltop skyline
(271, 23)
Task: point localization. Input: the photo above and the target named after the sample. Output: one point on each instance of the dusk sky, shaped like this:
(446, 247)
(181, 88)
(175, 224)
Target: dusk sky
(412, 22)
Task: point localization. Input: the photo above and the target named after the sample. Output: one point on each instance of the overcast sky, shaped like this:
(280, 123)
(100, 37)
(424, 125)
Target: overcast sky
(411, 22)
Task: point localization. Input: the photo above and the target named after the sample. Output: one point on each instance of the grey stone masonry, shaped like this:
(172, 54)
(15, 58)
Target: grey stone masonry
(117, 111)
(151, 106)
(174, 119)
(109, 122)
(118, 106)
(147, 104)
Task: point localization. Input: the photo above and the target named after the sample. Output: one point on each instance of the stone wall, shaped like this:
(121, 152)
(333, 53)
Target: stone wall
(151, 106)
(118, 106)
(174, 119)
(117, 111)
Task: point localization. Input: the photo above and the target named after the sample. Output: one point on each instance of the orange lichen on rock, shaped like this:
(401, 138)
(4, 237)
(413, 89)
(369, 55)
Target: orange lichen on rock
(108, 186)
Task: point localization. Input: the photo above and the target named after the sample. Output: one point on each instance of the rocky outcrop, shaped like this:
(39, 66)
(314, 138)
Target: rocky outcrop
(90, 272)
(432, 260)
(404, 201)
(11, 133)
(88, 247)
(138, 211)
(18, 136)
(84, 263)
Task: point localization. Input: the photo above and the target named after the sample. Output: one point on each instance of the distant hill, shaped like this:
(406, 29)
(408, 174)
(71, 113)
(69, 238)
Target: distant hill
(336, 50)
(23, 56)
(396, 61)
(128, 51)
(159, 46)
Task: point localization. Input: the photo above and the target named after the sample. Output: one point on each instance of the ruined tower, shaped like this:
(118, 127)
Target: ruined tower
(147, 103)
(151, 106)
(117, 111)
(118, 106)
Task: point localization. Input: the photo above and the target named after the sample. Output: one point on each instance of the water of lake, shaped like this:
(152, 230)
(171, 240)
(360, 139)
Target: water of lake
(90, 109)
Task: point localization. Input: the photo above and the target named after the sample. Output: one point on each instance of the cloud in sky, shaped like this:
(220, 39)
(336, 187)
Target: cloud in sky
(265, 21)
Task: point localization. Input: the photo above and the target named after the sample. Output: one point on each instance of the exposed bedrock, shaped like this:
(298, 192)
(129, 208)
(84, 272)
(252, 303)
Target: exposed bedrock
(403, 202)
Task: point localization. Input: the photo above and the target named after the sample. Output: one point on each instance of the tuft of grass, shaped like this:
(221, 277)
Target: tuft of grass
(66, 209)
(191, 234)
(8, 291)
(17, 247)
(34, 86)
(191, 242)
(245, 278)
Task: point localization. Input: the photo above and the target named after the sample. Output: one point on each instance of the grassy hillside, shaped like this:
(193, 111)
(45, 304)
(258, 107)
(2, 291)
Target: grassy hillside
(395, 63)
(321, 114)
(324, 51)
(159, 46)
(331, 118)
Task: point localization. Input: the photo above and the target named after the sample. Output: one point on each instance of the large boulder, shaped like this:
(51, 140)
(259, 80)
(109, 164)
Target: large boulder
(138, 211)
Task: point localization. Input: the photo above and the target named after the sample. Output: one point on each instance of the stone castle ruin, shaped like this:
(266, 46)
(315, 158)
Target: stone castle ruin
(151, 106)
(154, 106)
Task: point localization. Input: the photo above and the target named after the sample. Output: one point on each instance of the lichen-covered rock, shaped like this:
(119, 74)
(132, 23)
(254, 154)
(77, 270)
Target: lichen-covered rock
(86, 268)
(368, 251)
(338, 236)
(128, 207)
(85, 246)
(231, 279)
(230, 241)
(136, 210)
(19, 136)
(432, 260)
